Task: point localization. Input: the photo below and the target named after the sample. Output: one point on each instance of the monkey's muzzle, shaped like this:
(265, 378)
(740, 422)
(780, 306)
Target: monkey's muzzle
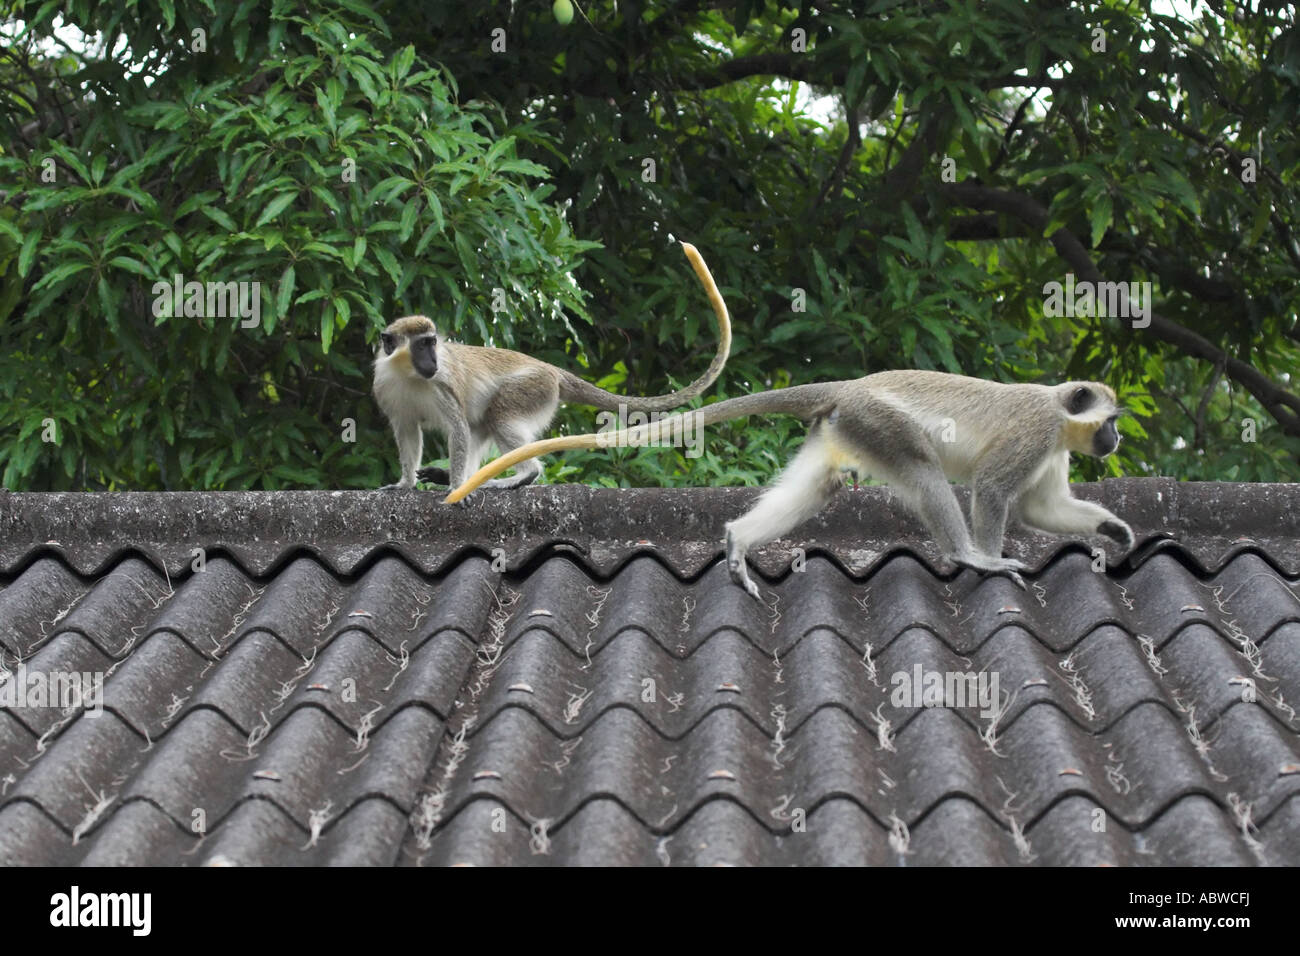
(1106, 439)
(424, 355)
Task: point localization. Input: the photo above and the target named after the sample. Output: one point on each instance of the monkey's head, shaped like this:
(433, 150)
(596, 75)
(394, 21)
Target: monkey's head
(411, 342)
(1091, 410)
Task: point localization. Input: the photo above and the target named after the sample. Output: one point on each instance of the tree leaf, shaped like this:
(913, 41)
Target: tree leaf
(274, 208)
(1100, 216)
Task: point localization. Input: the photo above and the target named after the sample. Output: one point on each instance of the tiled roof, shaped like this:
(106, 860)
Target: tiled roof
(567, 675)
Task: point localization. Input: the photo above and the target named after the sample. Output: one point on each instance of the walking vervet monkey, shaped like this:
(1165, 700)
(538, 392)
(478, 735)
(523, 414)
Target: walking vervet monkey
(476, 395)
(914, 430)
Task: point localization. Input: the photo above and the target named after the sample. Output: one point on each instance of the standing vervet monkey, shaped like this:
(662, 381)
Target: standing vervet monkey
(914, 430)
(476, 395)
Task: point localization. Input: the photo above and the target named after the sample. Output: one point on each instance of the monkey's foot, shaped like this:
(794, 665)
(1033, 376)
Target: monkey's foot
(1118, 531)
(739, 571)
(397, 486)
(985, 564)
(740, 575)
(1016, 579)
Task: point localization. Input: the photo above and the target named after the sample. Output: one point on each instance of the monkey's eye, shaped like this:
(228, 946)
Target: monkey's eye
(1080, 401)
(389, 340)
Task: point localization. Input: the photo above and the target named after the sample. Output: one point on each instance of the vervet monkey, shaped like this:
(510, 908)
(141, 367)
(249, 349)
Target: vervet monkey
(476, 395)
(915, 430)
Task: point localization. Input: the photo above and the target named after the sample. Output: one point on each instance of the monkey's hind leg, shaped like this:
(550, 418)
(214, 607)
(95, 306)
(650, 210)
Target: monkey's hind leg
(509, 436)
(515, 417)
(464, 452)
(802, 490)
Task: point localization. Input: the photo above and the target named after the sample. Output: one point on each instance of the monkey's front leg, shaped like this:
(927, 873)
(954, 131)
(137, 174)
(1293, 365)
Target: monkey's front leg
(1049, 506)
(410, 446)
(1065, 514)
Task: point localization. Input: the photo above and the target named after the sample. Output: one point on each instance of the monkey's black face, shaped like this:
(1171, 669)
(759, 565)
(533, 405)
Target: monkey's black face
(424, 355)
(1106, 438)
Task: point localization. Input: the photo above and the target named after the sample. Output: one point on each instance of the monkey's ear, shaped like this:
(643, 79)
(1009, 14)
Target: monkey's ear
(1080, 400)
(389, 340)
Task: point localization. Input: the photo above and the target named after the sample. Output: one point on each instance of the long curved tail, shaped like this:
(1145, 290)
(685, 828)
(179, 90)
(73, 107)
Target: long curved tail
(807, 401)
(575, 389)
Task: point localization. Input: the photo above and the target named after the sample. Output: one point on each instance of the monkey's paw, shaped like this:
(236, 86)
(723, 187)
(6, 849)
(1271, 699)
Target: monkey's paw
(746, 582)
(434, 476)
(1118, 531)
(740, 575)
(397, 486)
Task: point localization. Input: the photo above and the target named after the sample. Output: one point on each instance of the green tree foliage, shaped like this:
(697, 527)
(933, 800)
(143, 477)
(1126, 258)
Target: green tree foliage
(346, 179)
(875, 185)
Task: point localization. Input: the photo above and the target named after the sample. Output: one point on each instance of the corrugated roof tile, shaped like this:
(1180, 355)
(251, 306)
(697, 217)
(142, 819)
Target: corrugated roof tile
(566, 675)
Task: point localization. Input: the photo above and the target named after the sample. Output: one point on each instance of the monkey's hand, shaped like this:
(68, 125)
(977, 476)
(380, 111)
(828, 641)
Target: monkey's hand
(1118, 531)
(434, 476)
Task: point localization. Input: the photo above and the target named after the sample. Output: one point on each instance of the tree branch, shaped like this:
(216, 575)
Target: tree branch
(1153, 112)
(851, 145)
(899, 181)
(1199, 438)
(1004, 150)
(792, 66)
(1279, 403)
